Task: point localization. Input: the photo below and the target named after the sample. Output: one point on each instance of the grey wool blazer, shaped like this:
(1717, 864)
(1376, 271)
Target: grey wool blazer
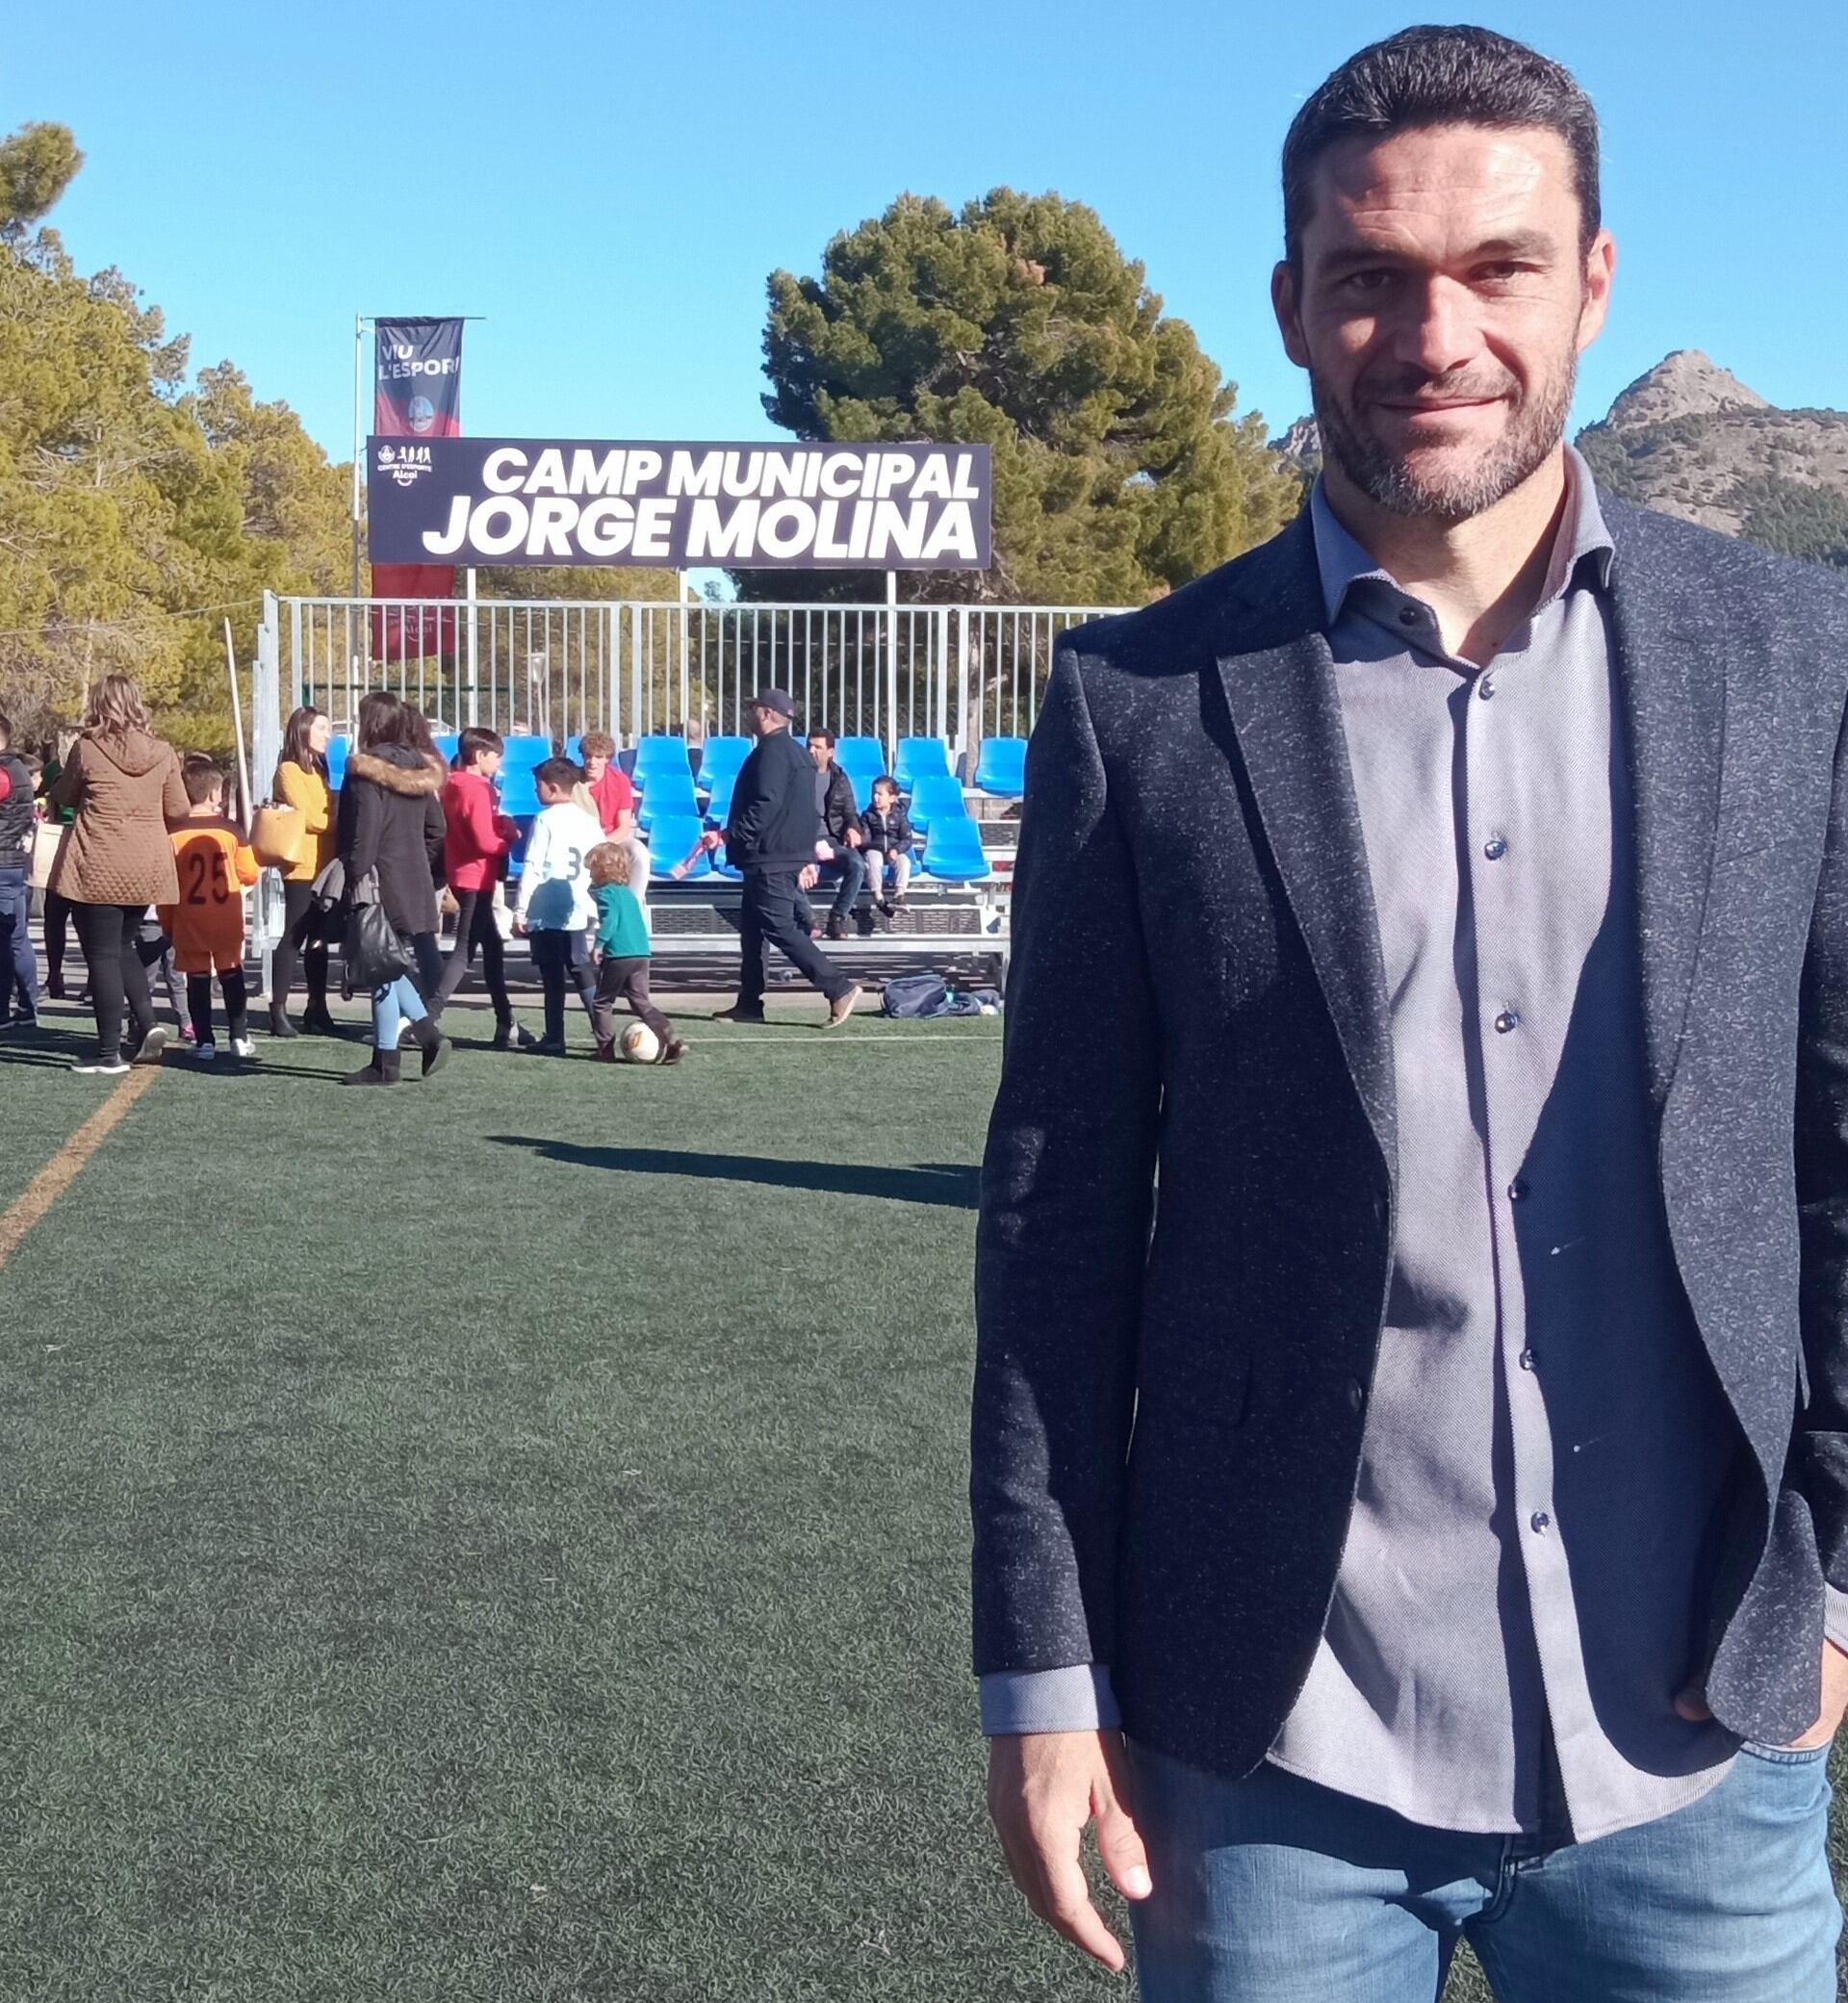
(1170, 1396)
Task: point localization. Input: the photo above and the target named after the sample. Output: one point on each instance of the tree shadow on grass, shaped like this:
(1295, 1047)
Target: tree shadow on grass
(948, 1185)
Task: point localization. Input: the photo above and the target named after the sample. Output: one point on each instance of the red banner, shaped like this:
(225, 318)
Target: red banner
(417, 392)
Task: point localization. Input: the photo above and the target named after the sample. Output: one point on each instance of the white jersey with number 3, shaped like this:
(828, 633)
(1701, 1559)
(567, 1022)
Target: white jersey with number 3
(554, 883)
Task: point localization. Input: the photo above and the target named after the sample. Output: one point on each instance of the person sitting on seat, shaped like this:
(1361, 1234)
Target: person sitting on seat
(841, 829)
(889, 837)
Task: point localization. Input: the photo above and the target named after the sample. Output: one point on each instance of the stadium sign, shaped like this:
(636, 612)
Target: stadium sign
(594, 503)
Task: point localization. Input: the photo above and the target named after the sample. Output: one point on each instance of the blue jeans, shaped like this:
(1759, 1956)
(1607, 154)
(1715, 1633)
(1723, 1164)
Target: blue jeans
(1273, 1889)
(396, 1003)
(19, 963)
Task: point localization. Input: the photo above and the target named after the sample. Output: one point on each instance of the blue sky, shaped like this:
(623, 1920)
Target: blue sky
(609, 185)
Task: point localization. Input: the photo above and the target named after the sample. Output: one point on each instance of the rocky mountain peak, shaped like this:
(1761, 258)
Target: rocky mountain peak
(1684, 384)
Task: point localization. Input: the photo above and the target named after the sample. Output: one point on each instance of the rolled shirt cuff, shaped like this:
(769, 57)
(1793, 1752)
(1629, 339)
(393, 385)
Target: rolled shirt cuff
(1077, 1698)
(1835, 1616)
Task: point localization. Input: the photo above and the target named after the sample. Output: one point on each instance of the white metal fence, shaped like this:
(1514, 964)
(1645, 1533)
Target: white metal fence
(553, 668)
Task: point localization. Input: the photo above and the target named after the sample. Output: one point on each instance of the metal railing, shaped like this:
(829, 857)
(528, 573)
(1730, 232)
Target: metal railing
(556, 667)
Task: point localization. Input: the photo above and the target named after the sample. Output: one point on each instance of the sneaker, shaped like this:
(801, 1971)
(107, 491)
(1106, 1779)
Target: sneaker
(840, 1010)
(243, 1046)
(116, 1067)
(205, 1053)
(512, 1036)
(547, 1047)
(836, 928)
(673, 1050)
(187, 1034)
(153, 1047)
(740, 1014)
(13, 1024)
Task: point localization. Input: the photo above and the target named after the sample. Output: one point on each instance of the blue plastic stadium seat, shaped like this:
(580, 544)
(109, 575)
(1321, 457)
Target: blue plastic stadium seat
(524, 753)
(670, 841)
(863, 785)
(336, 751)
(517, 854)
(1001, 769)
(861, 754)
(918, 756)
(936, 797)
(448, 744)
(722, 760)
(670, 796)
(718, 808)
(518, 795)
(660, 757)
(953, 851)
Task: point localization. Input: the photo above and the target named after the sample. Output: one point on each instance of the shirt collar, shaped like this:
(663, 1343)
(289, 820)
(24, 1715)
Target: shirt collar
(1343, 563)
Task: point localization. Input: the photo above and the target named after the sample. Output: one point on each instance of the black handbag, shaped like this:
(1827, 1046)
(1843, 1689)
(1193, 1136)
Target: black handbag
(375, 954)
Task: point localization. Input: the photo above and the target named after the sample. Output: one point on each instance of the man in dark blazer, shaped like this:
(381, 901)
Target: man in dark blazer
(1410, 1429)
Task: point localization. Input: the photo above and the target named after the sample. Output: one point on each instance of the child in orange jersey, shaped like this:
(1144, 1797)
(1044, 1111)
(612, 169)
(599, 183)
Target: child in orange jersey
(207, 924)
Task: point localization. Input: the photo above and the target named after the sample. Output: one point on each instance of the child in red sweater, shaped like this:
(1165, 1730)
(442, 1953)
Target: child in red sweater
(478, 839)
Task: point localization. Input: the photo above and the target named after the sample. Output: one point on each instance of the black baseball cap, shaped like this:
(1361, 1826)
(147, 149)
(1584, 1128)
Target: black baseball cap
(776, 699)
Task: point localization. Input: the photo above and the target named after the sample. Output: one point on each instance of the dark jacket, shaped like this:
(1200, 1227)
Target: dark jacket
(390, 820)
(774, 824)
(127, 792)
(1170, 1401)
(16, 812)
(889, 831)
(839, 816)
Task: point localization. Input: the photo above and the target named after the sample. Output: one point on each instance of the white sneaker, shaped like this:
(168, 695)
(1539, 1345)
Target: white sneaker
(205, 1053)
(243, 1046)
(151, 1050)
(97, 1069)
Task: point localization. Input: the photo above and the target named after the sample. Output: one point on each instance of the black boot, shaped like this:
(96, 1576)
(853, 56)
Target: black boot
(317, 1021)
(382, 1071)
(434, 1044)
(279, 1024)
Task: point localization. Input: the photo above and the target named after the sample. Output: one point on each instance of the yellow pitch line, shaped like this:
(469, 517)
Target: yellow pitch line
(66, 1165)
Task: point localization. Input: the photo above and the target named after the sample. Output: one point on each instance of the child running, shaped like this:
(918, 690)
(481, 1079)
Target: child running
(207, 924)
(621, 946)
(555, 909)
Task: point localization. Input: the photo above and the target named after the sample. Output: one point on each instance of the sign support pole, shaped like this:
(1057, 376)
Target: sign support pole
(359, 436)
(474, 686)
(891, 665)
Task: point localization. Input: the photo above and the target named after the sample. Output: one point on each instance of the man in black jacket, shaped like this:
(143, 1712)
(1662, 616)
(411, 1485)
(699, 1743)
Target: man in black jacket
(771, 836)
(841, 829)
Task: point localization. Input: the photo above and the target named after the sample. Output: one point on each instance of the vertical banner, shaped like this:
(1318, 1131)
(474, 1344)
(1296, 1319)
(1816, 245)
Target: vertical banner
(417, 392)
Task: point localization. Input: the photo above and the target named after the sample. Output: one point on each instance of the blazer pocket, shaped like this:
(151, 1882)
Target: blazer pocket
(1761, 852)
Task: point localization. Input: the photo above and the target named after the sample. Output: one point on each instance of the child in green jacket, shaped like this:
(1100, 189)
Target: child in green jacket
(622, 951)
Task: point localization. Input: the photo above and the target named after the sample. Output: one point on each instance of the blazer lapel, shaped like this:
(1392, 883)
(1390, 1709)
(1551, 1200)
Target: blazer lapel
(1286, 717)
(1672, 677)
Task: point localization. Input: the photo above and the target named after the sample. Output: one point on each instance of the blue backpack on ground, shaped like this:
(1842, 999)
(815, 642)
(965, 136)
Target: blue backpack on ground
(917, 996)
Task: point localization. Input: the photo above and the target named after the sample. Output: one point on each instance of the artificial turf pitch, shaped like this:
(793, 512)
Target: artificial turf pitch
(502, 1539)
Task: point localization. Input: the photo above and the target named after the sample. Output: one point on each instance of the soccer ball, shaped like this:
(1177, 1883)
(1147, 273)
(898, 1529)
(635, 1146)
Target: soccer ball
(640, 1045)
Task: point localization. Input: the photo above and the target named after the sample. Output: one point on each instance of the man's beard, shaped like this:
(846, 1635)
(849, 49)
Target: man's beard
(1534, 427)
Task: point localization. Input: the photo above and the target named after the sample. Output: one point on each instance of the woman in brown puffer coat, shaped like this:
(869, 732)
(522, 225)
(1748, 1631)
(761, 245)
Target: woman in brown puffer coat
(117, 860)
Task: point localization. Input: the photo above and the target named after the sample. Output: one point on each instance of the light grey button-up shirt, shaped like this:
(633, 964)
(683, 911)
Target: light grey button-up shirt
(1546, 1443)
(1518, 1599)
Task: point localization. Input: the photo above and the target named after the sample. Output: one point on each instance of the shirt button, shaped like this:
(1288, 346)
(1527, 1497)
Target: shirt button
(1494, 848)
(1528, 1359)
(1408, 617)
(1540, 1522)
(1517, 1189)
(1505, 1021)
(1485, 688)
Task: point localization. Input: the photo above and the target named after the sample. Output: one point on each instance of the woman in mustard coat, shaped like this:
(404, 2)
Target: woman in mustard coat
(301, 783)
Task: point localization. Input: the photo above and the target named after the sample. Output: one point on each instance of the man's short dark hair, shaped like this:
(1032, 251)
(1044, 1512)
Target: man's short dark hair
(477, 738)
(561, 773)
(828, 737)
(1425, 77)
